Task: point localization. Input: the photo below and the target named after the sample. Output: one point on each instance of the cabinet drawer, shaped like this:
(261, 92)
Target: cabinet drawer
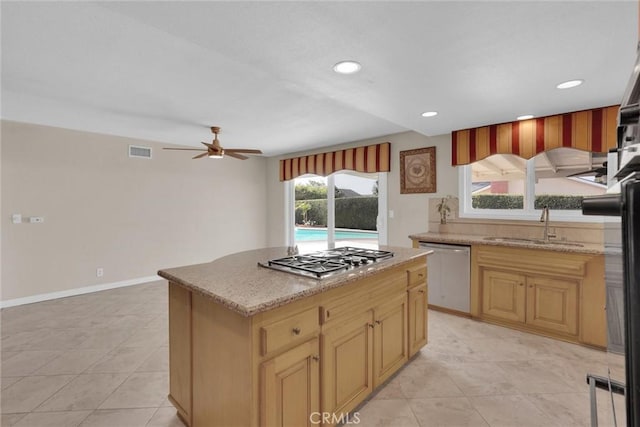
(289, 330)
(417, 275)
(363, 298)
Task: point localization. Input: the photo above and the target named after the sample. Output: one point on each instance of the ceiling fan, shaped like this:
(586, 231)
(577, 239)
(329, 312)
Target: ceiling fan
(215, 151)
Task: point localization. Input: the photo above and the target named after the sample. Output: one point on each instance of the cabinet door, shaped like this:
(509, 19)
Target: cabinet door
(552, 304)
(390, 338)
(347, 364)
(417, 319)
(503, 295)
(290, 387)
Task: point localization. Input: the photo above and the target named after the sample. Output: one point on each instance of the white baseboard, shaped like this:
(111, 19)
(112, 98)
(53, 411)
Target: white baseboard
(77, 291)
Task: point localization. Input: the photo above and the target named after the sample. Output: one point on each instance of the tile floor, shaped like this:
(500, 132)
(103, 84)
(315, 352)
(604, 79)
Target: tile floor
(101, 359)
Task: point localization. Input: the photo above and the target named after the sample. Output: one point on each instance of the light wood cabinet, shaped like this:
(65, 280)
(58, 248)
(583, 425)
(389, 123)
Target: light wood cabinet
(361, 352)
(542, 302)
(347, 359)
(290, 389)
(551, 293)
(417, 314)
(390, 349)
(552, 304)
(503, 295)
(323, 353)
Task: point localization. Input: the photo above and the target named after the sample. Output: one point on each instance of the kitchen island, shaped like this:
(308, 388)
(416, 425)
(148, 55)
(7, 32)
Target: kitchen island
(252, 346)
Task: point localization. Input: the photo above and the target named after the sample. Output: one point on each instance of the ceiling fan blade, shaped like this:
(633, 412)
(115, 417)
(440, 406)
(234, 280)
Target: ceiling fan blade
(234, 155)
(207, 145)
(186, 149)
(242, 150)
(206, 153)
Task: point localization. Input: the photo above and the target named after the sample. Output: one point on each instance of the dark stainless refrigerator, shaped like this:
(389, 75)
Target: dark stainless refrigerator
(624, 202)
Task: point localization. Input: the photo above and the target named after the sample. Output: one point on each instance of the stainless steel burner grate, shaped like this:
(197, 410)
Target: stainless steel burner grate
(324, 263)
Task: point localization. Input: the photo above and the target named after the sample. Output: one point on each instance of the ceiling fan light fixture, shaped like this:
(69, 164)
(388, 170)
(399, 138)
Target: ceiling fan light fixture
(525, 117)
(429, 114)
(216, 156)
(569, 84)
(347, 67)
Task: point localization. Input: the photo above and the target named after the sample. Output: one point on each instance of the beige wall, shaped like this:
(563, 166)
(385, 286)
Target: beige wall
(103, 209)
(410, 210)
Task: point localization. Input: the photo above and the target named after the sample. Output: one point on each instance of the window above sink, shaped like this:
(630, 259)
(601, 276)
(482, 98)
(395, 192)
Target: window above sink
(505, 186)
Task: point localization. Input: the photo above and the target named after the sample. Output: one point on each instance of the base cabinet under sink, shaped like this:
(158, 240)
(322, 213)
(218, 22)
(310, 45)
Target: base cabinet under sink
(540, 302)
(561, 295)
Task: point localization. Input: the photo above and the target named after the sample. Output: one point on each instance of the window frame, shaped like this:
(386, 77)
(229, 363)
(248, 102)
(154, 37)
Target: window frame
(289, 209)
(528, 213)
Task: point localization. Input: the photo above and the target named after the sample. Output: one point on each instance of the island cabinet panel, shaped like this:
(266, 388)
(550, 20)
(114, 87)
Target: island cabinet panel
(417, 314)
(347, 363)
(290, 386)
(180, 350)
(551, 293)
(389, 338)
(221, 363)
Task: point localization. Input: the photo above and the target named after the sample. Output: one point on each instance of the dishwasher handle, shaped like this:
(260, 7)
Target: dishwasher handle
(445, 248)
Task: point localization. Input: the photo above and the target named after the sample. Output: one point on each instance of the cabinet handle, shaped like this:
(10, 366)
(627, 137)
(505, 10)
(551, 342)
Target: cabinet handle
(521, 284)
(296, 331)
(421, 291)
(370, 325)
(421, 275)
(531, 286)
(327, 314)
(378, 322)
(316, 358)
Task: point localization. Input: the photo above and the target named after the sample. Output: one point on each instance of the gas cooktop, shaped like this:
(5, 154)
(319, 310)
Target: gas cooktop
(328, 262)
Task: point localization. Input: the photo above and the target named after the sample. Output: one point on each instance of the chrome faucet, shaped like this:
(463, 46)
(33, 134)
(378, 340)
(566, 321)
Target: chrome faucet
(545, 218)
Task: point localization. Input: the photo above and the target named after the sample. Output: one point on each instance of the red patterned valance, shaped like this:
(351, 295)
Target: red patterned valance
(370, 159)
(589, 130)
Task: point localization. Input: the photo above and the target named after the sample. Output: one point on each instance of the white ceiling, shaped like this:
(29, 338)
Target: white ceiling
(167, 71)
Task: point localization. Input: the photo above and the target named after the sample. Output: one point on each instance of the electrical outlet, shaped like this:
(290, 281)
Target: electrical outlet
(36, 219)
(99, 272)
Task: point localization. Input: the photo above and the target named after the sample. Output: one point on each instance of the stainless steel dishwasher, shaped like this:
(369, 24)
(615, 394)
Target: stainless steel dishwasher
(449, 276)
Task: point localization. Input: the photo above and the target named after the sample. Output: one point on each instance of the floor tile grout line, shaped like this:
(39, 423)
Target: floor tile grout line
(415, 417)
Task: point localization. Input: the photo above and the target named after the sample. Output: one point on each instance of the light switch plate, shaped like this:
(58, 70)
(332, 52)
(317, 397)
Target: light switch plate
(16, 218)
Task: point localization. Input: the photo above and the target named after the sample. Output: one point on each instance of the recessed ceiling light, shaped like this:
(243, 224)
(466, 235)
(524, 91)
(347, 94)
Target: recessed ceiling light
(347, 67)
(429, 114)
(570, 84)
(525, 117)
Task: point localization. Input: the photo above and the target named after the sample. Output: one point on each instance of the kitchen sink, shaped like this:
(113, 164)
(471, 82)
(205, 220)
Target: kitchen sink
(532, 241)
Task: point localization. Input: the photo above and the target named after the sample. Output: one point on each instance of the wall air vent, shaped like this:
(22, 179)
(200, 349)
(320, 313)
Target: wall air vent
(138, 151)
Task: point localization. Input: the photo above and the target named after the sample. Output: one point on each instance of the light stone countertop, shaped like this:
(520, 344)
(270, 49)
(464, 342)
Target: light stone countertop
(468, 239)
(240, 284)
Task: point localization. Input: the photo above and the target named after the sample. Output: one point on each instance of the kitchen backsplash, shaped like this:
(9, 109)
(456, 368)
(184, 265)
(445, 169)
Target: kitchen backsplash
(585, 232)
